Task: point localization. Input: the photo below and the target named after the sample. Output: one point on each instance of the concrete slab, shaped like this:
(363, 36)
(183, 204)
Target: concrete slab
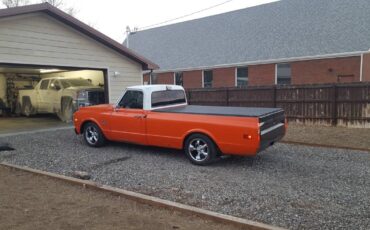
(22, 124)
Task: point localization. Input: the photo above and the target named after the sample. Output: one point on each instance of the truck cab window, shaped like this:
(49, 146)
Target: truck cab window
(168, 97)
(44, 84)
(55, 85)
(132, 100)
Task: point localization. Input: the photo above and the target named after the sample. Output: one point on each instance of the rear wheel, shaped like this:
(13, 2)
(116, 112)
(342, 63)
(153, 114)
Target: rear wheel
(27, 108)
(200, 149)
(93, 135)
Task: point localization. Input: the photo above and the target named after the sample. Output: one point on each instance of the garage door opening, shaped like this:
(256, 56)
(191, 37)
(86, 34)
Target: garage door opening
(50, 92)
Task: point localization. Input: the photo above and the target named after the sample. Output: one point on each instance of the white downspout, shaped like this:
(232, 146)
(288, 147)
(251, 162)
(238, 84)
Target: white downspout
(361, 66)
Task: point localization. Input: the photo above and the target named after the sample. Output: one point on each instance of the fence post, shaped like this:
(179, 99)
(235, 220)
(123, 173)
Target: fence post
(334, 106)
(274, 97)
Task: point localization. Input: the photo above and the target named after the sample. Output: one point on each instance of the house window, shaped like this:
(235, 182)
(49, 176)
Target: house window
(153, 78)
(179, 78)
(242, 77)
(283, 74)
(207, 78)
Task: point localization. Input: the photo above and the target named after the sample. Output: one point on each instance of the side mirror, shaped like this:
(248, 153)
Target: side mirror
(54, 87)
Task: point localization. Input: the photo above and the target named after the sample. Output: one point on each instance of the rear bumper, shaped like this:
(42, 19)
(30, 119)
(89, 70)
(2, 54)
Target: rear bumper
(271, 135)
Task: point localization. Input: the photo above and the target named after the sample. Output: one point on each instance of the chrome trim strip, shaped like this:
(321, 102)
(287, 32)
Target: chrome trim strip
(271, 128)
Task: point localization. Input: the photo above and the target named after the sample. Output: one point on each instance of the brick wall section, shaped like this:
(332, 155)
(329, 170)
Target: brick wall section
(192, 79)
(224, 77)
(165, 78)
(261, 75)
(326, 70)
(303, 72)
(366, 68)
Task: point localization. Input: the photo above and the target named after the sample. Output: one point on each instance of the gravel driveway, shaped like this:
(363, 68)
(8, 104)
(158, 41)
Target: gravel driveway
(289, 186)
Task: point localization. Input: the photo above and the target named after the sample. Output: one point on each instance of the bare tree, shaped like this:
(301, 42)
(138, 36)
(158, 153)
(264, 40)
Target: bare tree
(56, 3)
(14, 3)
(71, 11)
(60, 4)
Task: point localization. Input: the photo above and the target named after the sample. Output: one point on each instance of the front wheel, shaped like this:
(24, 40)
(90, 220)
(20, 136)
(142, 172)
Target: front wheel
(200, 149)
(93, 135)
(27, 108)
(66, 113)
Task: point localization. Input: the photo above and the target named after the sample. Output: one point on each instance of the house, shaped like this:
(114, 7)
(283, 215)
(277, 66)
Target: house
(284, 42)
(38, 41)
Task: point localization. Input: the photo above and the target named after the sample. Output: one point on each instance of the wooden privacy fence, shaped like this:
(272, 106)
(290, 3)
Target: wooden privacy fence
(329, 104)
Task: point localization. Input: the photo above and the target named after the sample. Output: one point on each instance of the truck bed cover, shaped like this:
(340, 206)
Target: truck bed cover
(222, 110)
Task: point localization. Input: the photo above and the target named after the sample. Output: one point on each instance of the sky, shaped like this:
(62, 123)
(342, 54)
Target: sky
(111, 17)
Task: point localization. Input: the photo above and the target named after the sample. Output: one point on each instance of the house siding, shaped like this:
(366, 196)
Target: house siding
(39, 39)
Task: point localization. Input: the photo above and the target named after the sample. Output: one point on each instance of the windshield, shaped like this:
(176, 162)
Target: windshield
(75, 82)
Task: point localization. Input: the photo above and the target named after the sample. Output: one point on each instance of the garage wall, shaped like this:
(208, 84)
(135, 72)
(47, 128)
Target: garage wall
(97, 77)
(42, 40)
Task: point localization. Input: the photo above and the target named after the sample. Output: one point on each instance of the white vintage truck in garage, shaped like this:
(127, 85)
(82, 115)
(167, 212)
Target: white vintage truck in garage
(61, 96)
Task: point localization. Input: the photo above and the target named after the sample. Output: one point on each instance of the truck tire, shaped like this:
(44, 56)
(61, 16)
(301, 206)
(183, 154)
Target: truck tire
(27, 108)
(93, 135)
(66, 113)
(200, 149)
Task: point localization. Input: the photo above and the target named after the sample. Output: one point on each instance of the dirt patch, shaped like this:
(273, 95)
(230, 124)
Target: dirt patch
(29, 201)
(333, 136)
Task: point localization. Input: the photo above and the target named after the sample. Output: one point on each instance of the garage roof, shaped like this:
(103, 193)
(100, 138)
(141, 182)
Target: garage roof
(270, 33)
(81, 27)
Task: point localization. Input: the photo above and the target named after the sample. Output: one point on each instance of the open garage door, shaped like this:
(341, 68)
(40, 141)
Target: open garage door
(36, 93)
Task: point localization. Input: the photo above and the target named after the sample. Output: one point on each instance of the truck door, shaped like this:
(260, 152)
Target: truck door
(127, 122)
(42, 96)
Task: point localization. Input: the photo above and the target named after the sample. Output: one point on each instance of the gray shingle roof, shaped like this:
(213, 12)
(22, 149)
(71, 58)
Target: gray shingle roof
(284, 29)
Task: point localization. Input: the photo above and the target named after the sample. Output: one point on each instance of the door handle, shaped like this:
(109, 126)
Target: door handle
(140, 116)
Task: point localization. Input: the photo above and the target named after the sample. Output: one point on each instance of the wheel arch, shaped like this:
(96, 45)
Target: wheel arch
(63, 101)
(202, 132)
(90, 120)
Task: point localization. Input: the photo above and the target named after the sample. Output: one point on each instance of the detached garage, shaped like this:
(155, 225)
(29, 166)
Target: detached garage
(43, 48)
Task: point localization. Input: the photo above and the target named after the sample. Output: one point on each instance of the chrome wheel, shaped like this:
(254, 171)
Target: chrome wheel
(198, 149)
(91, 135)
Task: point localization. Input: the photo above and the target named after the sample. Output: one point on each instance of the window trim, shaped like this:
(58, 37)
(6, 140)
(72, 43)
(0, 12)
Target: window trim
(276, 67)
(203, 77)
(174, 78)
(236, 74)
(276, 70)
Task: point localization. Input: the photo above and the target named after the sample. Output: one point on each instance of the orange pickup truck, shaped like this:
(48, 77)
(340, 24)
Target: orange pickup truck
(158, 115)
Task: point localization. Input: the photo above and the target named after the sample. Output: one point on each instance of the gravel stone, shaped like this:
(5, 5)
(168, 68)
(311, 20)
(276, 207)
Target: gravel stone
(291, 186)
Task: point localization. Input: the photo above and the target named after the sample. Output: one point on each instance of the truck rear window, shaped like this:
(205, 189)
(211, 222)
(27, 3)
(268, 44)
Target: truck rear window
(168, 97)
